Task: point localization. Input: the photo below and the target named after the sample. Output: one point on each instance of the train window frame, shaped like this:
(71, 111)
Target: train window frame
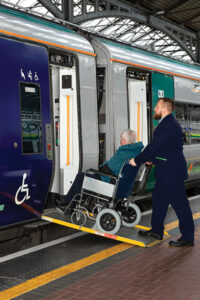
(61, 59)
(187, 139)
(183, 122)
(101, 77)
(194, 140)
(41, 148)
(140, 74)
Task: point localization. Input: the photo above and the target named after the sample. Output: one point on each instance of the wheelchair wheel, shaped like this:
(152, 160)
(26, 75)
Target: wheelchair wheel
(108, 221)
(78, 217)
(132, 216)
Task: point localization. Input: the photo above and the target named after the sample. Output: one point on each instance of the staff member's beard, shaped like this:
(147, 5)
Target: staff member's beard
(157, 116)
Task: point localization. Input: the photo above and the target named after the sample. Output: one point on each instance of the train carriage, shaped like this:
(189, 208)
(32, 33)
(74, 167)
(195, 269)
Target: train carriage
(64, 102)
(48, 111)
(129, 82)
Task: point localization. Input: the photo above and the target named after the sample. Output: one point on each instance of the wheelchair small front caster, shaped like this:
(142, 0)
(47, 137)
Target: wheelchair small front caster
(78, 217)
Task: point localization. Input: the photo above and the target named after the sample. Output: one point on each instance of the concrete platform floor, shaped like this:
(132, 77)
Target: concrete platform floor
(95, 268)
(159, 273)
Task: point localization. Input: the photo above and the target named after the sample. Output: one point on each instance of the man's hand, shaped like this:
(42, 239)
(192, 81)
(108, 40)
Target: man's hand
(132, 162)
(148, 163)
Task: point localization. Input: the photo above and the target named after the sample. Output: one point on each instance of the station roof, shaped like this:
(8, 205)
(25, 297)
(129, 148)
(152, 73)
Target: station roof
(183, 12)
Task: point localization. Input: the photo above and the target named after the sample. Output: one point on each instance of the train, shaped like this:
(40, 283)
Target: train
(65, 98)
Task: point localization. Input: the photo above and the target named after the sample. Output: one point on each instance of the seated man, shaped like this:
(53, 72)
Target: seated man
(129, 148)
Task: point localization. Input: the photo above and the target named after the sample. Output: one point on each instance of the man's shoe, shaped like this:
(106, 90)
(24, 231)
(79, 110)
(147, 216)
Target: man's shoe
(60, 206)
(150, 233)
(180, 243)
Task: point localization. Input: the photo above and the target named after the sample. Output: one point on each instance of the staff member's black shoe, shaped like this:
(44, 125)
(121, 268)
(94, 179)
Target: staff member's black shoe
(150, 233)
(180, 243)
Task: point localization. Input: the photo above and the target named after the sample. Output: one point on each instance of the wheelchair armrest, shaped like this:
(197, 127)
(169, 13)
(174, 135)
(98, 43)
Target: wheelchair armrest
(93, 171)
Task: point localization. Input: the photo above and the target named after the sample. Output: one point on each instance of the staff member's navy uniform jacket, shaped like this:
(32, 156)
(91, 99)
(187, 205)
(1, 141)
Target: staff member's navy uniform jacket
(166, 152)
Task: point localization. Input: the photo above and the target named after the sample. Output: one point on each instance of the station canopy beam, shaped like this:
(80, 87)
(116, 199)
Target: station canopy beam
(151, 25)
(136, 26)
(51, 6)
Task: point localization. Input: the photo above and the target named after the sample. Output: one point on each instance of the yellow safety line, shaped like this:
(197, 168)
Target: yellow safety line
(174, 224)
(138, 121)
(68, 130)
(36, 282)
(45, 42)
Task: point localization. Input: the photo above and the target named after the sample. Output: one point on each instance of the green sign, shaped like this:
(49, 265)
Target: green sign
(162, 86)
(2, 207)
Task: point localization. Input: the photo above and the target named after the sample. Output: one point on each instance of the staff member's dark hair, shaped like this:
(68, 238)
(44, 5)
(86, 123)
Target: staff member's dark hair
(169, 102)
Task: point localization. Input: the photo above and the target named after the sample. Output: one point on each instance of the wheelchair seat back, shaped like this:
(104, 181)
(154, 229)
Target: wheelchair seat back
(98, 186)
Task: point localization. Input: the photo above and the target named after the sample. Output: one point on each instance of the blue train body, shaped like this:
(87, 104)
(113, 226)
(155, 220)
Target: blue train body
(23, 66)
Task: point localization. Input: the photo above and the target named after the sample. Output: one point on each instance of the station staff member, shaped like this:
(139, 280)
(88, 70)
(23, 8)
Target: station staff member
(166, 152)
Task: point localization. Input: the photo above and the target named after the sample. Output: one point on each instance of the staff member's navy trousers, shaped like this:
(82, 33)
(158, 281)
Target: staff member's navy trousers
(173, 193)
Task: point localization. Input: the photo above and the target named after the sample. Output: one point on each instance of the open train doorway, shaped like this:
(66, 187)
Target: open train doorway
(65, 116)
(139, 108)
(140, 114)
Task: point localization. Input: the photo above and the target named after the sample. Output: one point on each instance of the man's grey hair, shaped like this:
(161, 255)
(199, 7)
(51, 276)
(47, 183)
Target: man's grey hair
(129, 135)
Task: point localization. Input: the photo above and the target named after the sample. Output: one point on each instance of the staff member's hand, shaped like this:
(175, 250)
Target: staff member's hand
(132, 162)
(148, 163)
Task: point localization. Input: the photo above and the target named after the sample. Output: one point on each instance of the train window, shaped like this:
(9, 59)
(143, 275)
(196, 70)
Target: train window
(60, 59)
(188, 115)
(194, 123)
(182, 117)
(31, 118)
(101, 97)
(66, 81)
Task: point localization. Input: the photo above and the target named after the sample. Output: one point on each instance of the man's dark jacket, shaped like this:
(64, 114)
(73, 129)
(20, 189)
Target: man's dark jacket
(166, 152)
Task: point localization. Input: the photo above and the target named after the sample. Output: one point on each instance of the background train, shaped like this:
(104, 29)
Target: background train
(64, 101)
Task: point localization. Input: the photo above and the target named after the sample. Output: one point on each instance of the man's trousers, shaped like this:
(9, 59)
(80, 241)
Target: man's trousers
(173, 193)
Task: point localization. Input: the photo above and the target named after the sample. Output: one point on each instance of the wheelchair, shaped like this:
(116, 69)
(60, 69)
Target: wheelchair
(112, 206)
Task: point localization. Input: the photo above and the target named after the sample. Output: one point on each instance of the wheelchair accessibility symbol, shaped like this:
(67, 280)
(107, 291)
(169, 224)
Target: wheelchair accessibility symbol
(22, 189)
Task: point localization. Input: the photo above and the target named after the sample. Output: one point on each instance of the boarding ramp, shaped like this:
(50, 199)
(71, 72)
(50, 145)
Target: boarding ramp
(125, 234)
(114, 214)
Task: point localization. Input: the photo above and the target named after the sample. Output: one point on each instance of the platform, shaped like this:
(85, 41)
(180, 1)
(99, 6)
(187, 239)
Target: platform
(88, 266)
(125, 234)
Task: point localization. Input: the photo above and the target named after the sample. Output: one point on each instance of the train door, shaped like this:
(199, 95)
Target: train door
(104, 116)
(139, 121)
(25, 133)
(137, 100)
(162, 86)
(66, 129)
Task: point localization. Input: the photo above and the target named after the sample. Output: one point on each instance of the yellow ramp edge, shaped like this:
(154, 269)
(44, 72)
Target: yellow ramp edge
(100, 233)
